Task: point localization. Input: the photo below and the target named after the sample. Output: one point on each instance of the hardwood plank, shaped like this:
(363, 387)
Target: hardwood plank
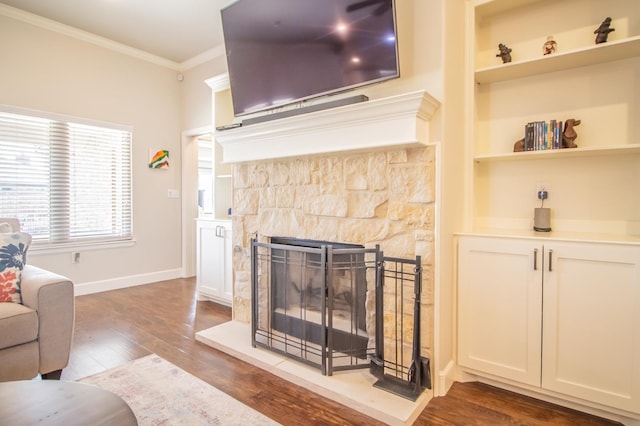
(118, 326)
(481, 404)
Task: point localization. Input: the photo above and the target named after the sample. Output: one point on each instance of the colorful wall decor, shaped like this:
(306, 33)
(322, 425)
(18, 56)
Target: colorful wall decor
(159, 159)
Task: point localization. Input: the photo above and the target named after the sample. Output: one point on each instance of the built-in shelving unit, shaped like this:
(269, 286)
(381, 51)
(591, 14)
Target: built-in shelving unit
(593, 188)
(222, 114)
(214, 230)
(525, 298)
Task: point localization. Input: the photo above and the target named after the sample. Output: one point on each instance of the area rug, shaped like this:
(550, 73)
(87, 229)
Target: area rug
(160, 393)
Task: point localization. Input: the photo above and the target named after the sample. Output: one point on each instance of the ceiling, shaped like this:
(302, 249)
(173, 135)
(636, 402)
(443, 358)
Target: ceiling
(178, 31)
(175, 30)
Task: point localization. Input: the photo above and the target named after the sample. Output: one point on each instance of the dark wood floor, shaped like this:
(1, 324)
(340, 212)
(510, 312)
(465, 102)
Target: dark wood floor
(118, 326)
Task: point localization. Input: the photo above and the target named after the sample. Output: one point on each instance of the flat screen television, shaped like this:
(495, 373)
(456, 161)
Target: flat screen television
(282, 52)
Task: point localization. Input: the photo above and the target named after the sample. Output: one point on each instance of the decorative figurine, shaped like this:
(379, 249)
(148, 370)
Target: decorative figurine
(505, 53)
(603, 31)
(550, 46)
(569, 134)
(518, 146)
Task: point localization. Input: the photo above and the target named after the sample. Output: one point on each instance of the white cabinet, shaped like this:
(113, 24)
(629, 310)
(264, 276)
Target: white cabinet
(500, 308)
(214, 267)
(561, 316)
(591, 323)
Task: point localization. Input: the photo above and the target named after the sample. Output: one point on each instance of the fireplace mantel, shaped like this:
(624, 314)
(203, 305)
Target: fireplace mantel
(401, 120)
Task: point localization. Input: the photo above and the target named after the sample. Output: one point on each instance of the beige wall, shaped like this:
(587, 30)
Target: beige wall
(196, 95)
(48, 71)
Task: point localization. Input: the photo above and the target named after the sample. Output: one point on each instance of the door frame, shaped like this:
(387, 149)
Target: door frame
(189, 188)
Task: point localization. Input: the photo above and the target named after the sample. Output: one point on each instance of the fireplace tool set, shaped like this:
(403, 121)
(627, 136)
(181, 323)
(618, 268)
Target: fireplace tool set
(391, 372)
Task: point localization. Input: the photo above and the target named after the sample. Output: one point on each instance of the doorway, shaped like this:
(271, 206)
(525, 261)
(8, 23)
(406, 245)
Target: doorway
(191, 141)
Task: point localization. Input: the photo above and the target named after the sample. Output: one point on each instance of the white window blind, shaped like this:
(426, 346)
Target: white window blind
(67, 180)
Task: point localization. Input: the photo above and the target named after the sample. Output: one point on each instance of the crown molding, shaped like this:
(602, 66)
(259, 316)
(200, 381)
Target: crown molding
(202, 58)
(218, 83)
(51, 25)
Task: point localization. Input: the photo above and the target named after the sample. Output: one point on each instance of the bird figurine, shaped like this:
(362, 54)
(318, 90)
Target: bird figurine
(603, 31)
(504, 53)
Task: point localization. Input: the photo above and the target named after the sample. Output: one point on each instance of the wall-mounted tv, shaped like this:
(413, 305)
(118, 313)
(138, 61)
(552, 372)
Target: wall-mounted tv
(285, 51)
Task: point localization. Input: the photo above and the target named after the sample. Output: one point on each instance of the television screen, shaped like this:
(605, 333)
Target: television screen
(285, 51)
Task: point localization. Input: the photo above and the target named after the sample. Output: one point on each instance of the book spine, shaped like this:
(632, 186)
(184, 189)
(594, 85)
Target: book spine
(528, 136)
(540, 135)
(546, 136)
(559, 134)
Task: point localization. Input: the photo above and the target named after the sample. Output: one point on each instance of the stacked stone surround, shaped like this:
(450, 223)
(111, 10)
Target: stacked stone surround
(382, 197)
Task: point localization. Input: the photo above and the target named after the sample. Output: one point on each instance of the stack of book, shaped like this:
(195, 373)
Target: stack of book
(542, 135)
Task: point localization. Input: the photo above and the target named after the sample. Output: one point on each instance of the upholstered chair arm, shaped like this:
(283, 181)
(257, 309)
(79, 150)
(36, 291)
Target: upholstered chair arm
(52, 296)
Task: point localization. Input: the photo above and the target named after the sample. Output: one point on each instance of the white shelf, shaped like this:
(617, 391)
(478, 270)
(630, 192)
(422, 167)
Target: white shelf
(560, 153)
(591, 55)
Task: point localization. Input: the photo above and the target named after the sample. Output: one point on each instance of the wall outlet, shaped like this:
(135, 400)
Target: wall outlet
(75, 257)
(542, 186)
(173, 193)
(542, 190)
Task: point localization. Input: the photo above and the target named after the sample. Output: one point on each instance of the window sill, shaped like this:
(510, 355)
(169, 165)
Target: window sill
(35, 250)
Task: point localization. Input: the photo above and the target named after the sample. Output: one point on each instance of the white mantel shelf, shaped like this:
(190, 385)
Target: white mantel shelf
(401, 120)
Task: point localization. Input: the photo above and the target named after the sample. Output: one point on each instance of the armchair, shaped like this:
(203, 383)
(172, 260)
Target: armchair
(35, 336)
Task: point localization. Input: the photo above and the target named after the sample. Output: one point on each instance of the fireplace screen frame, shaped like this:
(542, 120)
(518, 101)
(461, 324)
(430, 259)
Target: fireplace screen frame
(344, 273)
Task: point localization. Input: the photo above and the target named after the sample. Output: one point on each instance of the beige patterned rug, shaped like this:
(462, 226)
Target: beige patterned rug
(160, 393)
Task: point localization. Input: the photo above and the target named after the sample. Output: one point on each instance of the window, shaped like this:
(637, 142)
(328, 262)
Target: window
(67, 179)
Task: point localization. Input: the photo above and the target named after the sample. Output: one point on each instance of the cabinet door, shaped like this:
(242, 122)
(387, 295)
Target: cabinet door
(591, 324)
(499, 307)
(214, 279)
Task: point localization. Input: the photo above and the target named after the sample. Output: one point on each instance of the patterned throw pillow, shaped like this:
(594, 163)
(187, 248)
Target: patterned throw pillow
(13, 256)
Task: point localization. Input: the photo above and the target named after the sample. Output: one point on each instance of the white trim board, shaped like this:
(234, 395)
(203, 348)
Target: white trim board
(82, 289)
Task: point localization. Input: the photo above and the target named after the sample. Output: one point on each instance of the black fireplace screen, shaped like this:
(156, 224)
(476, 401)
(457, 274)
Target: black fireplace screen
(310, 301)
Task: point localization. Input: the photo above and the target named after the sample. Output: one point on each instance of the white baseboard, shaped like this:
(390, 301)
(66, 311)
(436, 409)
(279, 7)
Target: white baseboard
(124, 282)
(446, 377)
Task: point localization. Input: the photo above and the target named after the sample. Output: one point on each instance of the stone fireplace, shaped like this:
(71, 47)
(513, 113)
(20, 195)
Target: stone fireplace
(360, 174)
